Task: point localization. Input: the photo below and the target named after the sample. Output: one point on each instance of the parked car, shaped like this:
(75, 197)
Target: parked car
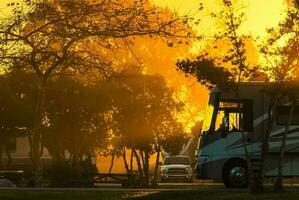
(176, 169)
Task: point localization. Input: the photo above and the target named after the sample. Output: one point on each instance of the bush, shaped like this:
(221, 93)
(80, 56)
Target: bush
(66, 174)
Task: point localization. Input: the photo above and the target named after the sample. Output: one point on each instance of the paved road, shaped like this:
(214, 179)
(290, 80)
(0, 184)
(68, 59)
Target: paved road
(206, 187)
(117, 189)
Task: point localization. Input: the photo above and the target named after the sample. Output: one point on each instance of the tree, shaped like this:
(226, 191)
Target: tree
(207, 72)
(59, 37)
(229, 69)
(74, 130)
(71, 129)
(282, 68)
(142, 116)
(73, 125)
(16, 109)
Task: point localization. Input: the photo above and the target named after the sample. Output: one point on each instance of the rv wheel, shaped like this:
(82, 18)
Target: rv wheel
(235, 174)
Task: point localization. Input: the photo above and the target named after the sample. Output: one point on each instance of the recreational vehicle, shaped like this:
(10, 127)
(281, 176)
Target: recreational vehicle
(221, 153)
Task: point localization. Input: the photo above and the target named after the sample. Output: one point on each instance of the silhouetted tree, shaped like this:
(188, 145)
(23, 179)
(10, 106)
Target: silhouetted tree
(74, 126)
(143, 115)
(209, 70)
(16, 103)
(282, 68)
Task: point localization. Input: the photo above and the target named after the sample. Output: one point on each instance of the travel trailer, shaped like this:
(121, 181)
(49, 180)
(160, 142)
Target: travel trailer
(221, 153)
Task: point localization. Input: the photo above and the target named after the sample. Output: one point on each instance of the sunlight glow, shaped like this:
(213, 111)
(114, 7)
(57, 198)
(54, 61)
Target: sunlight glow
(260, 14)
(190, 115)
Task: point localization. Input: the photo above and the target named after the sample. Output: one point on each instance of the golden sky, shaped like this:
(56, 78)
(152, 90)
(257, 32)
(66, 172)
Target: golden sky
(260, 13)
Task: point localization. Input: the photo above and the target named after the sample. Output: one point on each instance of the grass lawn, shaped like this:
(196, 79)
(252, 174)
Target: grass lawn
(182, 195)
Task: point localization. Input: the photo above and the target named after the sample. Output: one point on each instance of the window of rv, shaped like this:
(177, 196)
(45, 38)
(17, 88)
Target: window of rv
(283, 112)
(232, 120)
(232, 117)
(209, 113)
(208, 118)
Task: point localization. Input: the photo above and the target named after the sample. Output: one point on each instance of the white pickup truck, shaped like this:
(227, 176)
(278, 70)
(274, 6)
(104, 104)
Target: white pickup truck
(176, 168)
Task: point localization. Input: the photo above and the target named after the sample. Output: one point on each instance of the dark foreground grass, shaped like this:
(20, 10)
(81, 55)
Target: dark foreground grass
(171, 195)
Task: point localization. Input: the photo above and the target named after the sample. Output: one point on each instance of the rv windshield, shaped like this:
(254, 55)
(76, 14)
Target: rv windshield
(209, 113)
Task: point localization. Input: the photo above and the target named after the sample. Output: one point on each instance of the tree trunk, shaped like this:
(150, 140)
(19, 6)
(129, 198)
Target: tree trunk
(142, 159)
(9, 159)
(1, 161)
(124, 155)
(244, 140)
(155, 181)
(112, 162)
(140, 171)
(265, 140)
(249, 166)
(146, 168)
(278, 185)
(36, 134)
(91, 166)
(131, 161)
(75, 160)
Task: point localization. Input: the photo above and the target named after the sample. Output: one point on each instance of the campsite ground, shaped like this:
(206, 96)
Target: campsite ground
(202, 193)
(173, 195)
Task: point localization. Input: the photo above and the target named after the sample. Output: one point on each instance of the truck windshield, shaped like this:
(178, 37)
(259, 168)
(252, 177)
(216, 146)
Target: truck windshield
(176, 160)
